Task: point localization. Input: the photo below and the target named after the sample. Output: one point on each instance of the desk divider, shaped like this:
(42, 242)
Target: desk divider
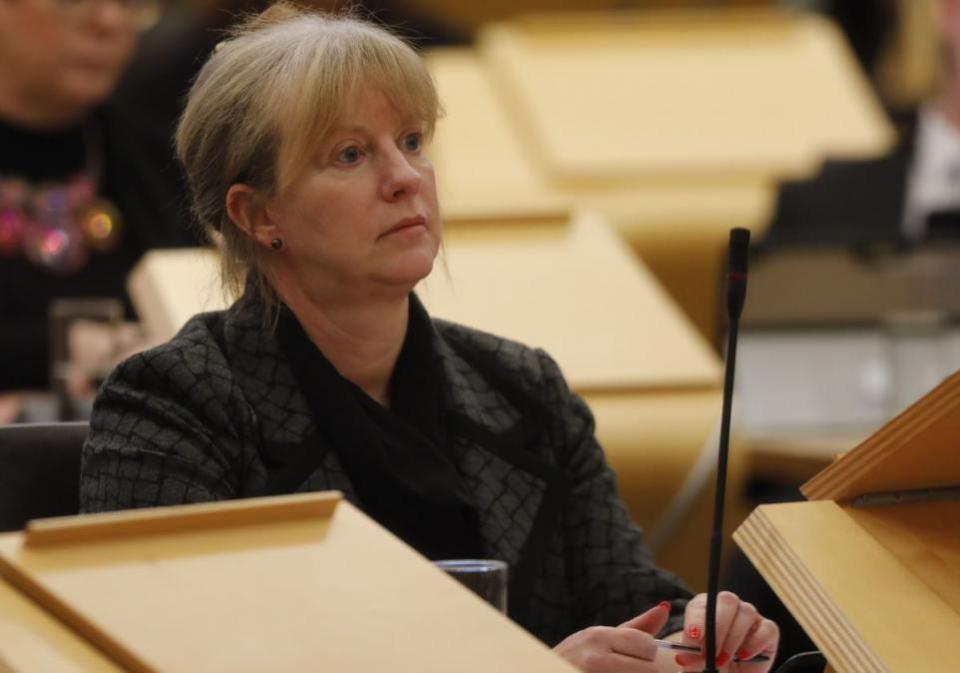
(871, 568)
(298, 583)
(179, 518)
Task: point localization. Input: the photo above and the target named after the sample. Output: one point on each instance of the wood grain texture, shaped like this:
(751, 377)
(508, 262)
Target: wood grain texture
(876, 587)
(572, 287)
(310, 594)
(756, 91)
(866, 608)
(33, 641)
(179, 518)
(917, 449)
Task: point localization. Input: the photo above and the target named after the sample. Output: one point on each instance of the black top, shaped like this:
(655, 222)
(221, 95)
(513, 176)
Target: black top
(139, 176)
(396, 458)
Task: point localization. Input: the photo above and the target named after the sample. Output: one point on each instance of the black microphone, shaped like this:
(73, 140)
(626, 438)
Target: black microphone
(736, 294)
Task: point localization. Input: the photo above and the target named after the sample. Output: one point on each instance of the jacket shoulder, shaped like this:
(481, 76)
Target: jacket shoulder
(190, 369)
(520, 372)
(479, 346)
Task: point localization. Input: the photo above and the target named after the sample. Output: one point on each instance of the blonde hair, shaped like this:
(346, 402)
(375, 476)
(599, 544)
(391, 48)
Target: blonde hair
(266, 97)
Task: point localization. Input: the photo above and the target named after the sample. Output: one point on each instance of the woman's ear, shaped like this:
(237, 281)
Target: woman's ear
(247, 210)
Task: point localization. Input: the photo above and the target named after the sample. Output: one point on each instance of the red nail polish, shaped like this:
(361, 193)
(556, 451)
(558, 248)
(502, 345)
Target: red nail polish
(722, 659)
(694, 632)
(742, 654)
(664, 605)
(681, 660)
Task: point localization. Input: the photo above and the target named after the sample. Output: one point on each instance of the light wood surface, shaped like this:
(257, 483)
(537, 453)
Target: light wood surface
(749, 91)
(169, 286)
(678, 225)
(205, 516)
(675, 125)
(866, 608)
(917, 449)
(486, 167)
(33, 641)
(876, 586)
(571, 287)
(482, 166)
(331, 593)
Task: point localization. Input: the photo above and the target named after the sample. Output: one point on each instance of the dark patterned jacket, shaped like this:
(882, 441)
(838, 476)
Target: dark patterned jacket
(216, 413)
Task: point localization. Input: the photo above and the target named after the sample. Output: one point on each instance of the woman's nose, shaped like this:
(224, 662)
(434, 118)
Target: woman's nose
(400, 178)
(110, 16)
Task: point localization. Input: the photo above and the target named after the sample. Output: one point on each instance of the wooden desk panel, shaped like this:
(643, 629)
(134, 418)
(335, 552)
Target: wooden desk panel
(571, 287)
(31, 640)
(684, 92)
(307, 594)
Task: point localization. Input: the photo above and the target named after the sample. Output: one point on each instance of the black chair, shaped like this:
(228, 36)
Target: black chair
(39, 471)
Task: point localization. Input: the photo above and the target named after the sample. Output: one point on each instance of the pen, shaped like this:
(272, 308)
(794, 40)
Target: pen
(668, 645)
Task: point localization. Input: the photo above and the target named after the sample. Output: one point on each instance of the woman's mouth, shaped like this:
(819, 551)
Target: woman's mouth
(406, 224)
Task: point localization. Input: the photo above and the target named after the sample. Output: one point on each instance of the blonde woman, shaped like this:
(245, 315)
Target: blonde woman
(302, 140)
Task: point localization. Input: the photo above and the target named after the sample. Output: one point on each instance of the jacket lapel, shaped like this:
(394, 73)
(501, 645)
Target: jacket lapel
(497, 443)
(289, 445)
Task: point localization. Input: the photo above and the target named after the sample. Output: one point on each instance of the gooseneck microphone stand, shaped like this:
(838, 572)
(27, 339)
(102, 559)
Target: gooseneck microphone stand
(736, 294)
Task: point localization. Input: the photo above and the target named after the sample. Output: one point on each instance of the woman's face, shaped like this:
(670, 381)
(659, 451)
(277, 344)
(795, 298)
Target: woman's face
(363, 218)
(65, 54)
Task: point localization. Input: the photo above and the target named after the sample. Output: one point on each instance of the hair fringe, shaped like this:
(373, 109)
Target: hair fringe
(231, 131)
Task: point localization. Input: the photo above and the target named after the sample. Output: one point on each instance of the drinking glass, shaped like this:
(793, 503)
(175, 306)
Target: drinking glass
(485, 577)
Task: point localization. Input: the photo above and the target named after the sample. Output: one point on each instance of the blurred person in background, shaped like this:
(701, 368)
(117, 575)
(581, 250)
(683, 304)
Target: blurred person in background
(909, 195)
(85, 188)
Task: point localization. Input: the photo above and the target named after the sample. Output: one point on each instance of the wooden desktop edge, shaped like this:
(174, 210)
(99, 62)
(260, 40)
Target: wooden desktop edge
(178, 518)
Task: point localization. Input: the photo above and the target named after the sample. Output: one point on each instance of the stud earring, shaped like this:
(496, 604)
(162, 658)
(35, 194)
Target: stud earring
(276, 244)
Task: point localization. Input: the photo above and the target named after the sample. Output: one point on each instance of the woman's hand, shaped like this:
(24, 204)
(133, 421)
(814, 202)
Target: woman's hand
(741, 633)
(628, 648)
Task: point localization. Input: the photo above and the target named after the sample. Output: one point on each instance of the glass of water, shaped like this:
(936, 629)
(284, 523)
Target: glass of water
(485, 577)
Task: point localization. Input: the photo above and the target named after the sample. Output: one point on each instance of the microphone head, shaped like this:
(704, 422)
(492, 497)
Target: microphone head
(738, 252)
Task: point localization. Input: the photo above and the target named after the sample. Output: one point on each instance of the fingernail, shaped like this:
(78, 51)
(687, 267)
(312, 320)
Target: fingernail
(664, 605)
(743, 654)
(681, 659)
(694, 632)
(722, 659)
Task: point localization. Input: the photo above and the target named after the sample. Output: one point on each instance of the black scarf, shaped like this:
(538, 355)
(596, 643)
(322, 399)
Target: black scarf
(397, 459)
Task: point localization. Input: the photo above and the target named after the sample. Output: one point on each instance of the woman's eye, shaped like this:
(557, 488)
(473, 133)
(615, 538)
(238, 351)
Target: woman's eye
(349, 155)
(412, 142)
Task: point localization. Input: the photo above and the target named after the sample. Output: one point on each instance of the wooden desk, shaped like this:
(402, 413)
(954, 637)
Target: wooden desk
(261, 584)
(32, 640)
(679, 229)
(636, 117)
(571, 286)
(681, 93)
